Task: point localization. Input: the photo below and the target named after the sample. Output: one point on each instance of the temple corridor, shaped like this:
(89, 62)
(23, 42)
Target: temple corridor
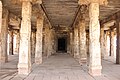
(59, 39)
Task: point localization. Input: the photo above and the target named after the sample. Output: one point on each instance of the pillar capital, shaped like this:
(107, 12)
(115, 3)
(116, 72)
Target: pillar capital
(83, 11)
(87, 2)
(38, 12)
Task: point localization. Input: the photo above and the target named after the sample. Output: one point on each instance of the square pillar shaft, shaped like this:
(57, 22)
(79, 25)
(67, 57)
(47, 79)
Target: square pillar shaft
(39, 36)
(94, 28)
(10, 42)
(3, 33)
(102, 39)
(118, 42)
(112, 43)
(82, 41)
(24, 65)
(17, 42)
(76, 43)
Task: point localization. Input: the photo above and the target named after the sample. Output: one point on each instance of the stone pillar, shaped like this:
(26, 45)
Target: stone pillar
(49, 41)
(94, 28)
(118, 41)
(102, 42)
(24, 65)
(71, 46)
(3, 33)
(87, 47)
(17, 42)
(10, 42)
(106, 44)
(33, 42)
(39, 36)
(76, 43)
(82, 38)
(112, 43)
(45, 40)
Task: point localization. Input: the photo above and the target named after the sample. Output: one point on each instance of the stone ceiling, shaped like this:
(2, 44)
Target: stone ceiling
(62, 13)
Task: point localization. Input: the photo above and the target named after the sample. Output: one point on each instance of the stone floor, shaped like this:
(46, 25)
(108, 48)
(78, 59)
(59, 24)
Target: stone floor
(58, 67)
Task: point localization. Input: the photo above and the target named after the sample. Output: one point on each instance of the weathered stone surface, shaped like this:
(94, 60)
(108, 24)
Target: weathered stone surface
(39, 36)
(24, 65)
(94, 28)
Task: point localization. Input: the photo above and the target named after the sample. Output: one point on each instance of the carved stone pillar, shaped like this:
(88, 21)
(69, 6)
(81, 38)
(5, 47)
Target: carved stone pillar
(112, 43)
(3, 33)
(94, 28)
(49, 41)
(39, 36)
(10, 42)
(76, 43)
(33, 42)
(17, 42)
(82, 35)
(102, 37)
(71, 43)
(24, 65)
(118, 40)
(46, 40)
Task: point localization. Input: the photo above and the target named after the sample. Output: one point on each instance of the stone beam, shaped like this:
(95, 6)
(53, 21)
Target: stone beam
(87, 2)
(110, 18)
(33, 1)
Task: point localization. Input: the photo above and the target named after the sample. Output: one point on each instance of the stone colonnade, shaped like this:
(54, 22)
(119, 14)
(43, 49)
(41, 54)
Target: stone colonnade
(28, 42)
(43, 39)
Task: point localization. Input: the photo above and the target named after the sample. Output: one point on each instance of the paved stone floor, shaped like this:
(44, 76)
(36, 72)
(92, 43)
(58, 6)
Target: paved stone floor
(58, 67)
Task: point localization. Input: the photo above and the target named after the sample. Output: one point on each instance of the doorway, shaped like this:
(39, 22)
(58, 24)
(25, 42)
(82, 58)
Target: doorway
(62, 44)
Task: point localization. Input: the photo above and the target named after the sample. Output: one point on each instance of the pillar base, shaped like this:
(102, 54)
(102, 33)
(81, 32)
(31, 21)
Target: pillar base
(95, 71)
(24, 69)
(38, 60)
(82, 61)
(76, 57)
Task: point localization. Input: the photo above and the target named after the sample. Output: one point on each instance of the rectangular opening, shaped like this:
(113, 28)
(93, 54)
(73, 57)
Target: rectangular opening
(62, 44)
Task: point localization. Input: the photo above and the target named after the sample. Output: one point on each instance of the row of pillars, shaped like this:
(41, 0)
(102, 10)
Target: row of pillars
(93, 47)
(78, 36)
(108, 43)
(31, 42)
